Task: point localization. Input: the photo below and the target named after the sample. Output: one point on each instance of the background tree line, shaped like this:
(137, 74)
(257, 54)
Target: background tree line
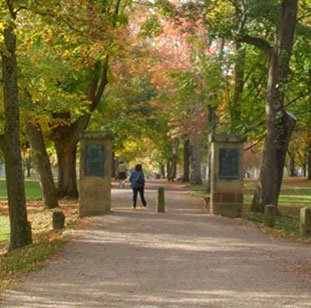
(162, 76)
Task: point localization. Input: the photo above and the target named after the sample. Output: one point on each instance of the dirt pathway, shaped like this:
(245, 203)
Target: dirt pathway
(183, 258)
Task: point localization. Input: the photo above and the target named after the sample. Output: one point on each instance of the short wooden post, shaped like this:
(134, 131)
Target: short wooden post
(305, 221)
(58, 220)
(269, 215)
(161, 200)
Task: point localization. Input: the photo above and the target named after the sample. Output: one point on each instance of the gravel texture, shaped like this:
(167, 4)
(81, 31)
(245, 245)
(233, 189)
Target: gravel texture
(182, 258)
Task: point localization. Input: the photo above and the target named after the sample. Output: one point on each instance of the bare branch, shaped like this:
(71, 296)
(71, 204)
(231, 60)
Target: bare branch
(255, 143)
(255, 41)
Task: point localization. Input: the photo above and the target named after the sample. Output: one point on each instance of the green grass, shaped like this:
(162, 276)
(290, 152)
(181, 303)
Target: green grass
(32, 189)
(295, 194)
(4, 231)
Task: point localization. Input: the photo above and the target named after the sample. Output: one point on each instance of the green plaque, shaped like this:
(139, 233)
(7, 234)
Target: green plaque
(94, 163)
(229, 162)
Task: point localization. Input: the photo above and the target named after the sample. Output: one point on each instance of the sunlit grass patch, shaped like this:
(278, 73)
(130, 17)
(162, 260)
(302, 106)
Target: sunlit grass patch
(295, 194)
(4, 231)
(32, 189)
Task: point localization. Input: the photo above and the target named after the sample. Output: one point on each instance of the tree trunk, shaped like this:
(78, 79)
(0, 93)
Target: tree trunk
(162, 171)
(280, 124)
(28, 167)
(66, 158)
(292, 164)
(168, 168)
(309, 163)
(35, 138)
(186, 157)
(239, 68)
(211, 125)
(175, 144)
(20, 228)
(196, 160)
(235, 106)
(208, 168)
(66, 137)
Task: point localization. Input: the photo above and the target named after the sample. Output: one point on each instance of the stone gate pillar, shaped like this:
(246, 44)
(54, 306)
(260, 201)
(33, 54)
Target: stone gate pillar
(95, 173)
(227, 175)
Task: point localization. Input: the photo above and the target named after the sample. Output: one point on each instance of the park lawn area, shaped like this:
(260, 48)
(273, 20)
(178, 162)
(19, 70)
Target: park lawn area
(4, 231)
(32, 189)
(295, 194)
(46, 241)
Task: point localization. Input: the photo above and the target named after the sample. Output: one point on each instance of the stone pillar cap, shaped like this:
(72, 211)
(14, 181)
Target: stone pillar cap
(92, 135)
(227, 138)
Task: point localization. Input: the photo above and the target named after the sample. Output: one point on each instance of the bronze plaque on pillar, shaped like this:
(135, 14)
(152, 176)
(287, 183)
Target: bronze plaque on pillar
(229, 163)
(94, 160)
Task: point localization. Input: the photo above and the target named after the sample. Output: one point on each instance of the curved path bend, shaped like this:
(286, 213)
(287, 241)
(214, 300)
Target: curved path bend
(183, 258)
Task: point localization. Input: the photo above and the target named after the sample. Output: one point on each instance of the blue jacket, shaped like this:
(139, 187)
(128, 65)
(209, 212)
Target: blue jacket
(137, 179)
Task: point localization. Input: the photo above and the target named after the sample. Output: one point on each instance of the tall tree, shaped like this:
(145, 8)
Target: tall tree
(82, 33)
(280, 123)
(20, 228)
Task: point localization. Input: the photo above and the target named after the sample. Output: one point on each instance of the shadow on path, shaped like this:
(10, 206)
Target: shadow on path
(183, 258)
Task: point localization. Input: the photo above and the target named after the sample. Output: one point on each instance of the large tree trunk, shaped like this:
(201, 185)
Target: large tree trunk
(65, 140)
(20, 228)
(235, 106)
(186, 159)
(67, 184)
(239, 68)
(66, 137)
(35, 138)
(280, 124)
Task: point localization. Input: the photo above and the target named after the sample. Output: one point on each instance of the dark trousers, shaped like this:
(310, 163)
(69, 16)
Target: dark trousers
(141, 193)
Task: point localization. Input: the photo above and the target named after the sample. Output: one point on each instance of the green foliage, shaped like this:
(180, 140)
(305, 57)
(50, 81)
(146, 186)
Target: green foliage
(151, 27)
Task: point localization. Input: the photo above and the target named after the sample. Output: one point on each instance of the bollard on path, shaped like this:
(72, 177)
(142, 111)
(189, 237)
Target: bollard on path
(269, 215)
(305, 221)
(58, 220)
(160, 200)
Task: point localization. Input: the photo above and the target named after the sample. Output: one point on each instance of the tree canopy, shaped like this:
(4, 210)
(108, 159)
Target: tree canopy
(162, 75)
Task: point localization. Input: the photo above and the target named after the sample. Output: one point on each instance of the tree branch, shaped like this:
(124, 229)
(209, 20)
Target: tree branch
(102, 85)
(255, 41)
(2, 142)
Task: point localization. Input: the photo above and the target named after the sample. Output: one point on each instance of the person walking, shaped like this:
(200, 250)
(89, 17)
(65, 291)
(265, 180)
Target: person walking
(121, 174)
(137, 179)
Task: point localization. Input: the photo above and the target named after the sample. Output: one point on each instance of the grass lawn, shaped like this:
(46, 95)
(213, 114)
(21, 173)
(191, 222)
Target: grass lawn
(46, 241)
(32, 189)
(295, 194)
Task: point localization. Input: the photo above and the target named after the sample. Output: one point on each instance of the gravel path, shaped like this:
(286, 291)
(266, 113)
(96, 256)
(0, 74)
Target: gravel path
(183, 258)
